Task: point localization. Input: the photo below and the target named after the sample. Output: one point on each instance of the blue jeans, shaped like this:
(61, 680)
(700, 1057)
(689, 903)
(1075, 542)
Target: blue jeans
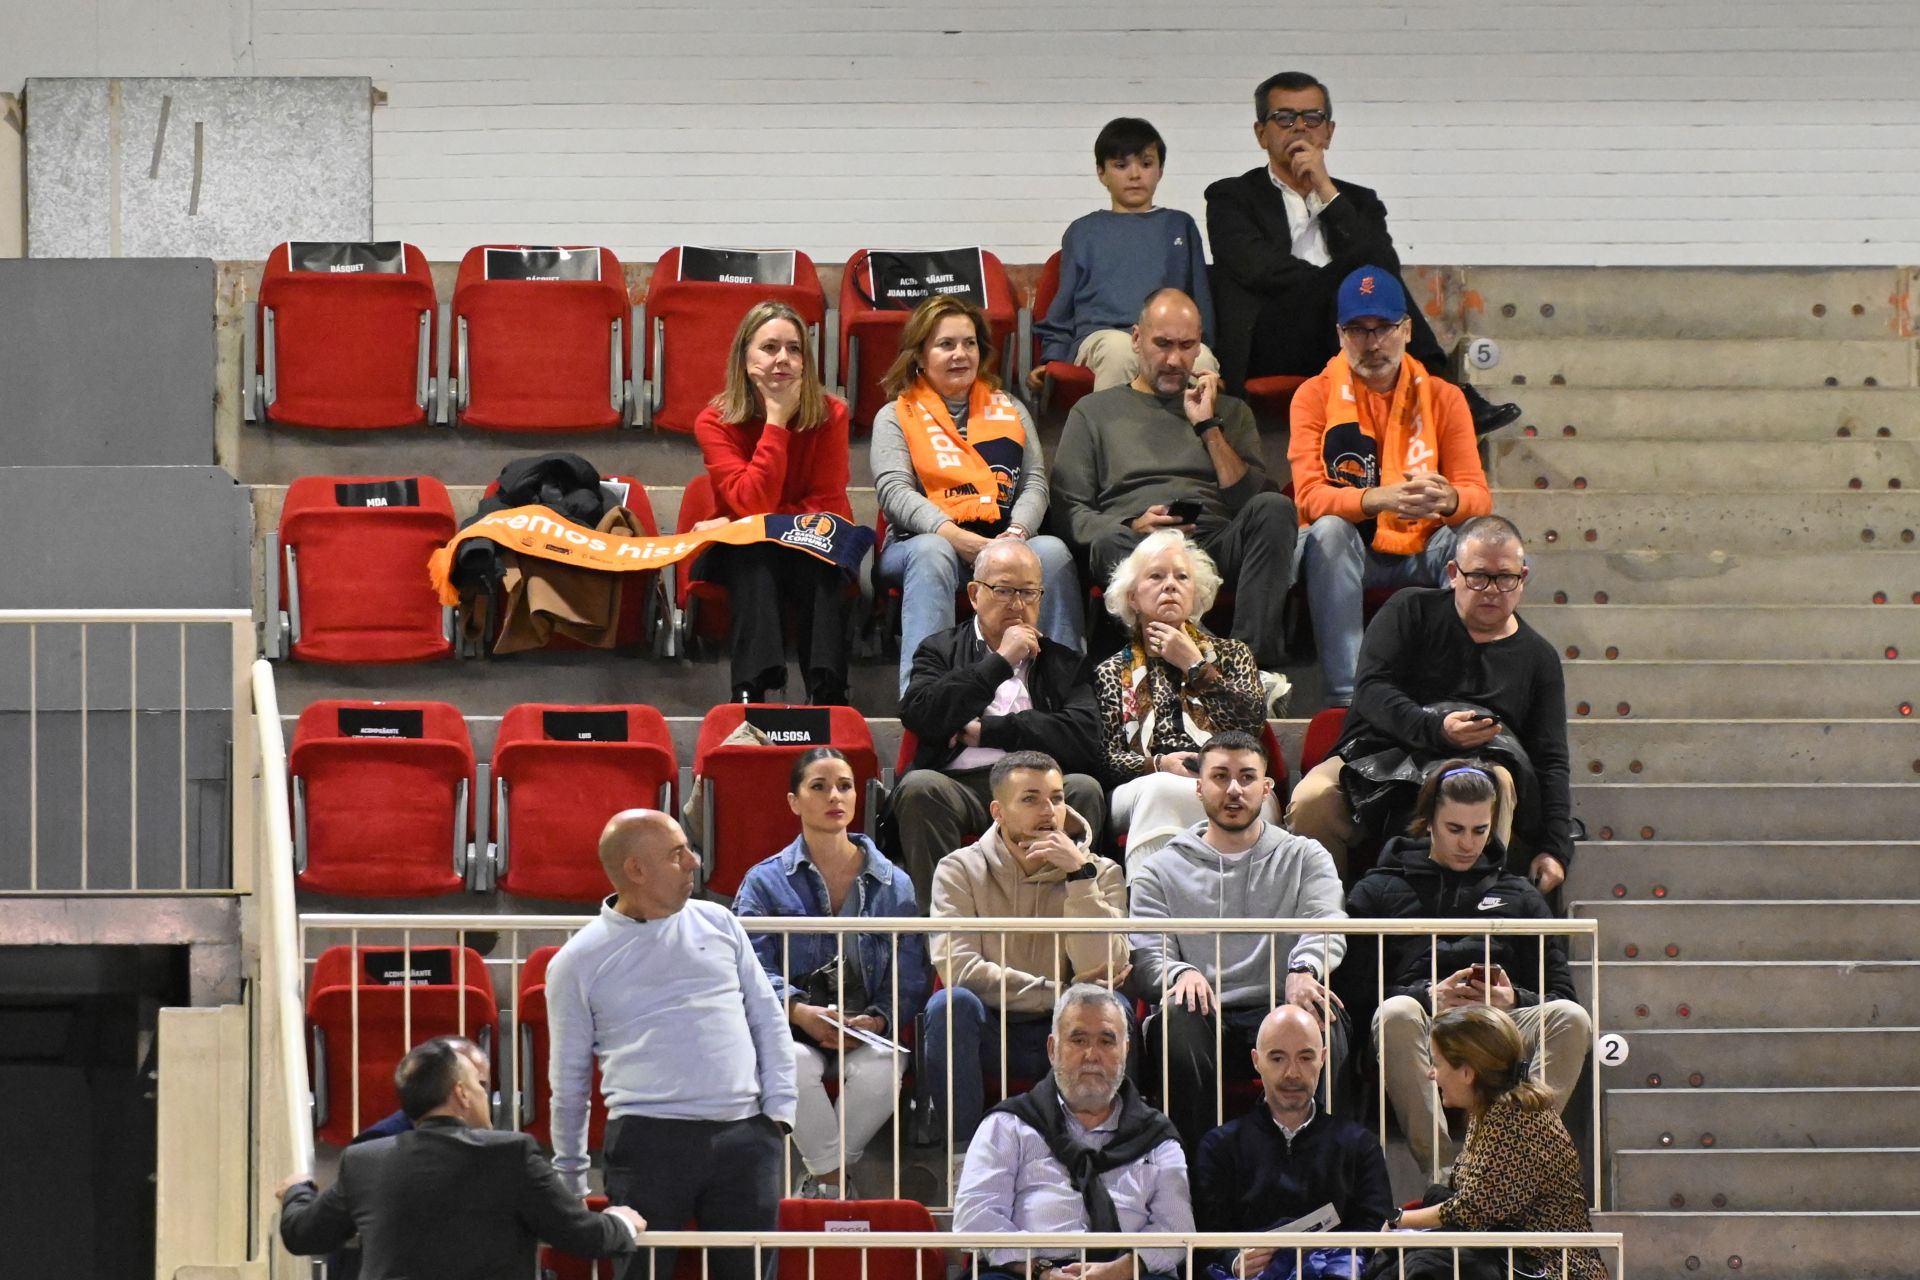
(929, 572)
(976, 1042)
(1339, 567)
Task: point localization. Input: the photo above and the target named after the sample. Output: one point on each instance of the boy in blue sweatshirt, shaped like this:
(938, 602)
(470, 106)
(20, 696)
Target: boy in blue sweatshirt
(1111, 260)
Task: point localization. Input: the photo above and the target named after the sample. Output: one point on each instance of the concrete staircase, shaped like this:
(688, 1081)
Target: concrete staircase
(1718, 475)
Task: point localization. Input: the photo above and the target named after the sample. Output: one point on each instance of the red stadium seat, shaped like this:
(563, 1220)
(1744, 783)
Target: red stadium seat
(352, 575)
(540, 354)
(690, 328)
(744, 815)
(642, 594)
(1323, 732)
(859, 1264)
(382, 798)
(870, 335)
(349, 346)
(1272, 397)
(449, 994)
(536, 1090)
(559, 772)
(1066, 382)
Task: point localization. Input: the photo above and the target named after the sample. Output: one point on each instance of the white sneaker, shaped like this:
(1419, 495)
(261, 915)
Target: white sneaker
(812, 1188)
(1277, 690)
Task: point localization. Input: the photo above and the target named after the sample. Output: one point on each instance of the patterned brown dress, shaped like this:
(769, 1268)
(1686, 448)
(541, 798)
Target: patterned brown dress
(1519, 1171)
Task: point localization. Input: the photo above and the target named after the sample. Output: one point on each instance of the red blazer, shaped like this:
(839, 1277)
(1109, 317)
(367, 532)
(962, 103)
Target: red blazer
(759, 470)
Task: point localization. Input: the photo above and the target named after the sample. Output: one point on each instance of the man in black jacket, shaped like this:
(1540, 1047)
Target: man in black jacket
(453, 1199)
(991, 685)
(1287, 1159)
(1284, 236)
(1453, 871)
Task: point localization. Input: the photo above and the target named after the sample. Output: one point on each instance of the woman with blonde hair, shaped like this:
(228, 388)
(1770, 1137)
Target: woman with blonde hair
(775, 443)
(956, 464)
(1519, 1170)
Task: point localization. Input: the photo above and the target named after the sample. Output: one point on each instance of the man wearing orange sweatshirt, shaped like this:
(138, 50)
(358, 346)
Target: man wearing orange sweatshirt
(1385, 465)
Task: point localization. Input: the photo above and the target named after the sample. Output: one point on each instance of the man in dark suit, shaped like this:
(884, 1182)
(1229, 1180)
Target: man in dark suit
(452, 1199)
(1284, 236)
(991, 685)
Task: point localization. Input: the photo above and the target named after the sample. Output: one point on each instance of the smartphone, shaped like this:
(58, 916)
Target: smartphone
(1484, 974)
(1192, 764)
(1186, 510)
(1483, 717)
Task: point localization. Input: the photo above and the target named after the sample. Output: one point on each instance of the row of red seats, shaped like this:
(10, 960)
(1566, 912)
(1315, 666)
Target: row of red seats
(384, 795)
(336, 346)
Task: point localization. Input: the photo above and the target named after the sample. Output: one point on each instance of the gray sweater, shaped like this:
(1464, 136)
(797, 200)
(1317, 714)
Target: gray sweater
(1282, 876)
(908, 509)
(1124, 450)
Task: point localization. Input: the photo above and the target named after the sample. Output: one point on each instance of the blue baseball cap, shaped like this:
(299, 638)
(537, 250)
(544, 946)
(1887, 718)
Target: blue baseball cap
(1370, 292)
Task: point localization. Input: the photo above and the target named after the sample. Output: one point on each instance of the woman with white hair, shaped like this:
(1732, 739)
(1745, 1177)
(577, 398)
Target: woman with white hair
(1174, 686)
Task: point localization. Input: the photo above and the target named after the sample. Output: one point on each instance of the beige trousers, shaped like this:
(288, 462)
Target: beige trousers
(1109, 353)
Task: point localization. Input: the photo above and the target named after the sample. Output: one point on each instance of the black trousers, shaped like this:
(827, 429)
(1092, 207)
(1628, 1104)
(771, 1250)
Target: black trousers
(762, 581)
(1254, 552)
(723, 1175)
(1188, 1090)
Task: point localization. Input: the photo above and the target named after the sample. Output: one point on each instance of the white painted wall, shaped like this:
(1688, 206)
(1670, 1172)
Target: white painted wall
(1506, 131)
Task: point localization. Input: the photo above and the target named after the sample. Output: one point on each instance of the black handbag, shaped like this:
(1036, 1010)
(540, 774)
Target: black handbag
(838, 983)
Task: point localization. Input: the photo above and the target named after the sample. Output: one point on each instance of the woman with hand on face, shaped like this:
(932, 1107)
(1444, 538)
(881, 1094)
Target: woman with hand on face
(1174, 686)
(831, 982)
(776, 444)
(1450, 865)
(956, 463)
(1519, 1170)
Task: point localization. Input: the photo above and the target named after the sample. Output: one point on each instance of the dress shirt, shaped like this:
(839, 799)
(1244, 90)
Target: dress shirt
(1303, 219)
(1012, 1183)
(1010, 697)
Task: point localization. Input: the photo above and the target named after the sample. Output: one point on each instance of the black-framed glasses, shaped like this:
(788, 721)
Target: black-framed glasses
(1363, 334)
(1285, 116)
(1504, 583)
(1013, 595)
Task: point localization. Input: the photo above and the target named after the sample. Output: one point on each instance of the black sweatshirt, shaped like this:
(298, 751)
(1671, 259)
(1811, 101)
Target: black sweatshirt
(1248, 1175)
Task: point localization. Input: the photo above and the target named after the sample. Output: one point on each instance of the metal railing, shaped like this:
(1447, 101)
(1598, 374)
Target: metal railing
(70, 818)
(509, 941)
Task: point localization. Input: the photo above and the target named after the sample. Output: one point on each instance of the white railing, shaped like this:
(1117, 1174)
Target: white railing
(282, 1112)
(82, 855)
(517, 937)
(1559, 1247)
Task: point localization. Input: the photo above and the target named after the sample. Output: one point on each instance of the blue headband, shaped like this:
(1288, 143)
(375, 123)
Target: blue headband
(1466, 768)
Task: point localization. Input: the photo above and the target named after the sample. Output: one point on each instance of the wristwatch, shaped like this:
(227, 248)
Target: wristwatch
(1085, 871)
(1194, 672)
(1200, 428)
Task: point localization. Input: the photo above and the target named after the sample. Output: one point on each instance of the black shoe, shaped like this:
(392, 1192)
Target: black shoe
(1488, 417)
(827, 691)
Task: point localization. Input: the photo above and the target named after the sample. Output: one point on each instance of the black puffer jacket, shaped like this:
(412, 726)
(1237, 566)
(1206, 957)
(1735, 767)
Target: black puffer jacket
(1407, 884)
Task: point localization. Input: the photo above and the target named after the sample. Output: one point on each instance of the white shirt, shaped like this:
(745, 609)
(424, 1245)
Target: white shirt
(1012, 696)
(1303, 219)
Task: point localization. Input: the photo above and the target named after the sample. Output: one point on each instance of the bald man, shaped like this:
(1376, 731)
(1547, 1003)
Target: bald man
(696, 1061)
(991, 685)
(1171, 450)
(1287, 1157)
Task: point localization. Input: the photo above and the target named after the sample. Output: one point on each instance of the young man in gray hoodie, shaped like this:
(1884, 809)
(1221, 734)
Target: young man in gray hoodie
(1234, 866)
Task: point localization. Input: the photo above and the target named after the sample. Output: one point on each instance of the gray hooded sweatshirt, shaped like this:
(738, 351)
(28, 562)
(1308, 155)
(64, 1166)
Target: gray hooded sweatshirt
(1283, 876)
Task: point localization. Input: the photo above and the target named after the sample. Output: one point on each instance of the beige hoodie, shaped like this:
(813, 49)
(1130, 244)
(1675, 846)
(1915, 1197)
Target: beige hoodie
(1023, 972)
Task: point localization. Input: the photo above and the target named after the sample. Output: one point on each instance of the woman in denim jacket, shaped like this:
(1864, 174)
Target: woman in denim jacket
(829, 871)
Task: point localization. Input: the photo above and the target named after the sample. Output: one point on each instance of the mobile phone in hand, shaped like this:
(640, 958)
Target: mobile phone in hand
(1485, 974)
(1483, 717)
(1186, 510)
(1192, 764)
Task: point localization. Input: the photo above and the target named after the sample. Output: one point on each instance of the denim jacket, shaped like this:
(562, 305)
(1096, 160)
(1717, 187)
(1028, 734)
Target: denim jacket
(788, 884)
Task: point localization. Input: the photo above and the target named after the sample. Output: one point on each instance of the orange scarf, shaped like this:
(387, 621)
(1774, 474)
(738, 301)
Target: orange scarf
(1407, 442)
(967, 478)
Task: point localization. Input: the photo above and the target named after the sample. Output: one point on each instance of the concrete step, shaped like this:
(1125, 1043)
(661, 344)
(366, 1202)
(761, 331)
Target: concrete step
(1707, 522)
(1660, 302)
(1698, 362)
(1724, 1119)
(1768, 1057)
(1721, 631)
(1722, 869)
(1716, 413)
(1668, 995)
(1764, 690)
(1669, 751)
(1744, 810)
(1778, 1179)
(1824, 929)
(1765, 1246)
(1687, 466)
(1718, 577)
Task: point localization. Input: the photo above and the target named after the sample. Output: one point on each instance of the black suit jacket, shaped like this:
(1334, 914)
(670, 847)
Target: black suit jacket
(449, 1202)
(1255, 273)
(953, 680)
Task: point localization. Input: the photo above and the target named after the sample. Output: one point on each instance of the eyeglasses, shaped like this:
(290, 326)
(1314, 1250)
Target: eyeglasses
(1364, 335)
(1013, 595)
(1285, 116)
(1502, 582)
